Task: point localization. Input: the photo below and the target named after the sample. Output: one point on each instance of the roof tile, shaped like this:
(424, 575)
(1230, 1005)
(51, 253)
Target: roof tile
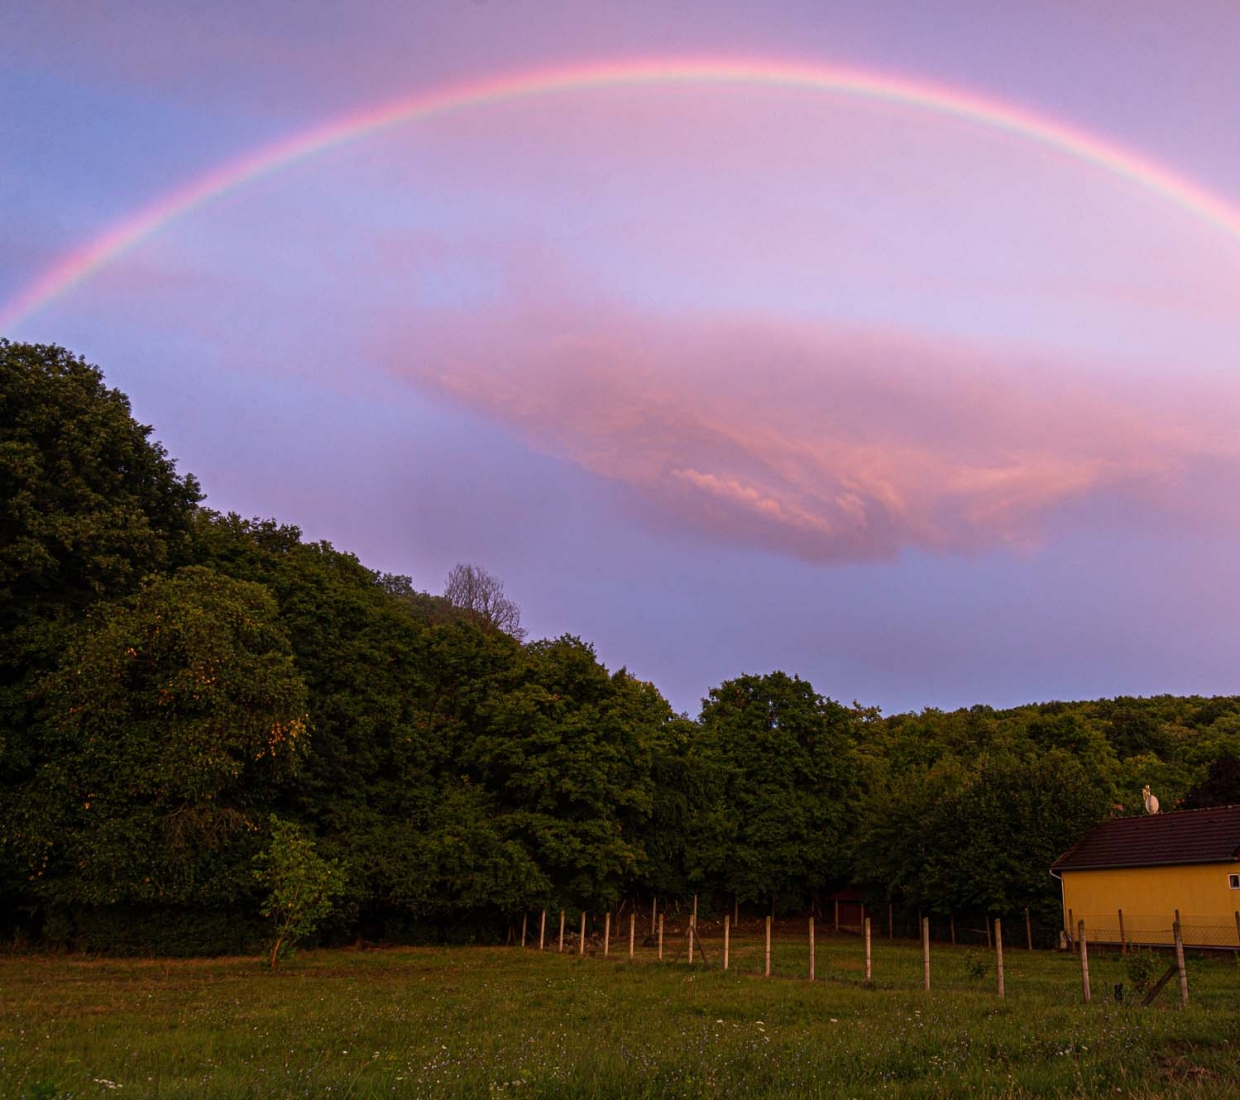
(1152, 840)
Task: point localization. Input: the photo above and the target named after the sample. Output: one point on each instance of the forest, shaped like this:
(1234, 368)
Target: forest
(181, 688)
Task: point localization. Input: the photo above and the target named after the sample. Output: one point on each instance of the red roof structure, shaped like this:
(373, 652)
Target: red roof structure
(1155, 840)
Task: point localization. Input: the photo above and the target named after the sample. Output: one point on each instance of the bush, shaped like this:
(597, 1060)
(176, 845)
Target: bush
(1143, 966)
(976, 965)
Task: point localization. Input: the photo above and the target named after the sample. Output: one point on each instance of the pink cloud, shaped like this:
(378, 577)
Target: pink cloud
(833, 447)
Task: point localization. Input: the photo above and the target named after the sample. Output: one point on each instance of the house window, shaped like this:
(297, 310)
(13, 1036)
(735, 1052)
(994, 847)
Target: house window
(1233, 881)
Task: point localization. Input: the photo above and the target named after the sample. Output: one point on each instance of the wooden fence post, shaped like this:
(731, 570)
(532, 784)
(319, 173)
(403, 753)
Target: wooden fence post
(767, 972)
(561, 931)
(986, 922)
(1080, 939)
(999, 953)
(891, 921)
(925, 951)
(581, 943)
(660, 937)
(867, 950)
(632, 932)
(692, 930)
(542, 931)
(524, 917)
(951, 923)
(1028, 930)
(811, 949)
(607, 934)
(1123, 940)
(654, 909)
(1179, 962)
(726, 931)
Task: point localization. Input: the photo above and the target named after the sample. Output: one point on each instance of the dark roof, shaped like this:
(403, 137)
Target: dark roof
(1153, 840)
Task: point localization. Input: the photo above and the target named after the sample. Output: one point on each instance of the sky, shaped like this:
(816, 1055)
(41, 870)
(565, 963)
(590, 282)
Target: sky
(894, 345)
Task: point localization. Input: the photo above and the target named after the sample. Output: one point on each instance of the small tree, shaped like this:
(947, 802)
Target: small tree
(473, 589)
(302, 887)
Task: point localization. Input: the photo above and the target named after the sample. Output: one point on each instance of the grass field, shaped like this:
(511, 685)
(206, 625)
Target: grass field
(485, 1022)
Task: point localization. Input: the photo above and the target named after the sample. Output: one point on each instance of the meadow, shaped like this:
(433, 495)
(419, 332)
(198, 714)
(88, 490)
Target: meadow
(487, 1022)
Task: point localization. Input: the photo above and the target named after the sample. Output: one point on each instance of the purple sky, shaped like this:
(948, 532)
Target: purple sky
(722, 378)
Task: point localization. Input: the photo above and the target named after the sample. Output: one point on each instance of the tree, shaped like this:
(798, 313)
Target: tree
(1221, 786)
(473, 589)
(786, 760)
(89, 505)
(302, 887)
(174, 718)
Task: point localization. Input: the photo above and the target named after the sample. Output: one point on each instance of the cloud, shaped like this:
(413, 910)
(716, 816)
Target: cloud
(834, 447)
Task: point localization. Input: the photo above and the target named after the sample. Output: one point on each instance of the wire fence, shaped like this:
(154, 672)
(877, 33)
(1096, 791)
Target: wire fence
(1157, 930)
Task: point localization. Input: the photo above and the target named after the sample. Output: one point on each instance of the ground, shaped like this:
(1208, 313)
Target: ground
(484, 1022)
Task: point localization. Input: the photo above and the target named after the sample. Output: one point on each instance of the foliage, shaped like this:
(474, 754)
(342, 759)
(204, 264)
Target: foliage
(1143, 967)
(782, 758)
(301, 886)
(170, 677)
(172, 721)
(976, 965)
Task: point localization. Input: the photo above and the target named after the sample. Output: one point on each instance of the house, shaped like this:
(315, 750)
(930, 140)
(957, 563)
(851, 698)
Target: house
(1130, 878)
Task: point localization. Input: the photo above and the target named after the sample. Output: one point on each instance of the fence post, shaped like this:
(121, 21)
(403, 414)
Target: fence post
(951, 923)
(767, 972)
(632, 931)
(561, 931)
(1179, 962)
(867, 950)
(524, 917)
(726, 937)
(660, 937)
(692, 929)
(811, 949)
(581, 943)
(1028, 930)
(542, 931)
(1237, 912)
(891, 921)
(999, 953)
(1123, 940)
(607, 934)
(654, 909)
(986, 922)
(1080, 939)
(925, 951)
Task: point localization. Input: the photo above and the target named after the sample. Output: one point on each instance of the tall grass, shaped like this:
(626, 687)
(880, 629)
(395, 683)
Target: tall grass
(478, 1022)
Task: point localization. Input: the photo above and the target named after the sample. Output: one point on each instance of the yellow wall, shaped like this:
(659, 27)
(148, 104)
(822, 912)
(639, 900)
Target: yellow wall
(1149, 897)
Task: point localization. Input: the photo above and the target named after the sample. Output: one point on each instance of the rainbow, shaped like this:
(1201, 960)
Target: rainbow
(1145, 174)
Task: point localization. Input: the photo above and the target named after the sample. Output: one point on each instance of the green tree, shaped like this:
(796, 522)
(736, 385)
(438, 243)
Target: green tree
(168, 728)
(786, 763)
(301, 886)
(89, 505)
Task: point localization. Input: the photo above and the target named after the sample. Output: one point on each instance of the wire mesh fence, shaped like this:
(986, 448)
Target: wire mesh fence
(1157, 930)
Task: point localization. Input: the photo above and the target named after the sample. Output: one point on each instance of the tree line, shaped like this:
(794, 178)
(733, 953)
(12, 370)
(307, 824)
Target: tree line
(187, 695)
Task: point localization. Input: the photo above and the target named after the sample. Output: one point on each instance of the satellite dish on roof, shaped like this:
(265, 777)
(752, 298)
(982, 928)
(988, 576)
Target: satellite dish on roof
(1151, 801)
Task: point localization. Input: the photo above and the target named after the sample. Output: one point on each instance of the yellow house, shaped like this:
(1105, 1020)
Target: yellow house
(1131, 878)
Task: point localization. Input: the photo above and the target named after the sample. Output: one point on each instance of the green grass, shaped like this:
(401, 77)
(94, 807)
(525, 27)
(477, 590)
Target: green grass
(481, 1022)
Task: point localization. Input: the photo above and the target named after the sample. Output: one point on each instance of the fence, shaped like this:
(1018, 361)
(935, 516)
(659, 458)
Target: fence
(1123, 929)
(790, 949)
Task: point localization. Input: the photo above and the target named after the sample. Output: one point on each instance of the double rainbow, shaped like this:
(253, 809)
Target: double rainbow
(79, 265)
